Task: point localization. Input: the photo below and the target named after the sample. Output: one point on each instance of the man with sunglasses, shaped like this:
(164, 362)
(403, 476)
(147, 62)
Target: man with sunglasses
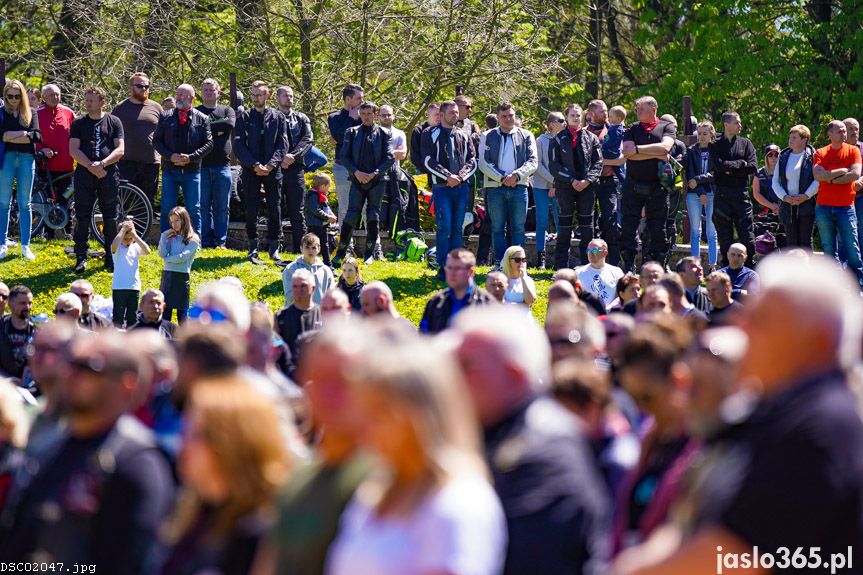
(599, 277)
(98, 493)
(140, 117)
(88, 319)
(67, 307)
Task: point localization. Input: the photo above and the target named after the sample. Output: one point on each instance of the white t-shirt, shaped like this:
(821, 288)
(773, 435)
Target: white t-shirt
(399, 139)
(792, 173)
(515, 290)
(601, 282)
(458, 529)
(126, 274)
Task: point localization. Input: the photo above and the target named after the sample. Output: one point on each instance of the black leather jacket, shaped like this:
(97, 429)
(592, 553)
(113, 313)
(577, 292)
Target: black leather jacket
(561, 160)
(197, 141)
(260, 138)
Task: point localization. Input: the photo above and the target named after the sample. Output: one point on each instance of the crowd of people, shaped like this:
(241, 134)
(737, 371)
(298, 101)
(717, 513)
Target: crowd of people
(665, 436)
(658, 422)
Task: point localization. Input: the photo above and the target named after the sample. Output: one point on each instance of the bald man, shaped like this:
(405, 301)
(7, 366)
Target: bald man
(376, 300)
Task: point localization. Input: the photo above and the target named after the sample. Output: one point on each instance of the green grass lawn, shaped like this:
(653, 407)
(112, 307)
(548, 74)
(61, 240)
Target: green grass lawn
(51, 274)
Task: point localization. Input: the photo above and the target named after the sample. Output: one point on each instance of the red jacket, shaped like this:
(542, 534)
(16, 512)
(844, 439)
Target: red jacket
(55, 124)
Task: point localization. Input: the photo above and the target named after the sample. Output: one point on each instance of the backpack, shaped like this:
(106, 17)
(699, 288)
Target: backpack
(413, 247)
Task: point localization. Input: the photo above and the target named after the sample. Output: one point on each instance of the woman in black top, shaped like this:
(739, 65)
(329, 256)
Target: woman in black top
(351, 281)
(20, 129)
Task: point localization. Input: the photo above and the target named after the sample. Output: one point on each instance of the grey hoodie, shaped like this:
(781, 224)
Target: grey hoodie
(324, 279)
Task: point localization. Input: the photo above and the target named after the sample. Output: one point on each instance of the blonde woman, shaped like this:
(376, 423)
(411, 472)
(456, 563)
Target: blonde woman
(700, 189)
(521, 288)
(232, 461)
(20, 130)
(429, 508)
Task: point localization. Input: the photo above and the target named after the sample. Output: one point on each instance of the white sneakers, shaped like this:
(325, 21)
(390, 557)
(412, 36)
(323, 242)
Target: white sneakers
(3, 250)
(27, 253)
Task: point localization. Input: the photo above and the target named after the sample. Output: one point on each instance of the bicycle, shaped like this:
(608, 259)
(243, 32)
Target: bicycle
(48, 213)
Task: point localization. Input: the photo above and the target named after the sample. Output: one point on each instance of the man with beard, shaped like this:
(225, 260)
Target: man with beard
(99, 493)
(140, 116)
(182, 138)
(16, 332)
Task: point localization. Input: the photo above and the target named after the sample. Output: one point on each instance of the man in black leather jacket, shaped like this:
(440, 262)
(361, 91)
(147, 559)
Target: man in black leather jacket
(260, 143)
(182, 138)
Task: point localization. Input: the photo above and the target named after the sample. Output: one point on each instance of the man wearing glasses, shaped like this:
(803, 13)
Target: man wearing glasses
(140, 116)
(88, 319)
(461, 292)
(598, 277)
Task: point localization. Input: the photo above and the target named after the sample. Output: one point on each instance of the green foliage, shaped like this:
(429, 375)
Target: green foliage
(51, 274)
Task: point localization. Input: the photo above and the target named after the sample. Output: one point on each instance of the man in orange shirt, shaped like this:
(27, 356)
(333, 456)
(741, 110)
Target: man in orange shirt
(837, 167)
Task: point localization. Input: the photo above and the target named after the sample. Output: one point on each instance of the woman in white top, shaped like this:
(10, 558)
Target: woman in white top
(429, 508)
(520, 286)
(796, 187)
(543, 184)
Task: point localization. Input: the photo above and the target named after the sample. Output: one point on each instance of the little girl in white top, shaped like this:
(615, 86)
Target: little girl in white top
(126, 284)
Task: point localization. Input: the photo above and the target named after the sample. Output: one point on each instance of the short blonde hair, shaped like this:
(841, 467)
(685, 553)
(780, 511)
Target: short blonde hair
(321, 179)
(617, 113)
(721, 277)
(801, 131)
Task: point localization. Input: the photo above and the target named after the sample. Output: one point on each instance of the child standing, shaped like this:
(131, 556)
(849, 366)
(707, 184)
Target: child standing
(178, 247)
(126, 249)
(318, 212)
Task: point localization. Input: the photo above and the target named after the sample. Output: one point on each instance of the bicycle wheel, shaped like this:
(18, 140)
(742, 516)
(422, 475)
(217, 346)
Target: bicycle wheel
(131, 201)
(39, 206)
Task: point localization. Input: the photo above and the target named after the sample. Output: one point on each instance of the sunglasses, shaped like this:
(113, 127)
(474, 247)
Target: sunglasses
(13, 96)
(519, 260)
(61, 311)
(82, 295)
(559, 120)
(594, 251)
(94, 364)
(142, 86)
(773, 155)
(206, 315)
(4, 297)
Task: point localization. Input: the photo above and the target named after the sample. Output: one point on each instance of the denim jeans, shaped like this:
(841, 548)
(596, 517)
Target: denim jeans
(507, 205)
(542, 201)
(190, 183)
(17, 167)
(215, 205)
(695, 210)
(840, 222)
(342, 181)
(840, 246)
(449, 208)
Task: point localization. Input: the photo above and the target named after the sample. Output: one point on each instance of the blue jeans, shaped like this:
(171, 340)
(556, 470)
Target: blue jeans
(840, 222)
(507, 205)
(450, 205)
(215, 205)
(20, 167)
(695, 209)
(841, 252)
(542, 201)
(190, 183)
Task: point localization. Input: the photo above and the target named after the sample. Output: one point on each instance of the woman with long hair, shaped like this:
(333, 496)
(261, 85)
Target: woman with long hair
(429, 507)
(20, 130)
(178, 247)
(700, 189)
(232, 461)
(351, 281)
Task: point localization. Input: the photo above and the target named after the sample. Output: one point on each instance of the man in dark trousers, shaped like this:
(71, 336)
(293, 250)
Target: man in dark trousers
(216, 167)
(300, 138)
(96, 143)
(260, 143)
(735, 161)
(645, 143)
(367, 154)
